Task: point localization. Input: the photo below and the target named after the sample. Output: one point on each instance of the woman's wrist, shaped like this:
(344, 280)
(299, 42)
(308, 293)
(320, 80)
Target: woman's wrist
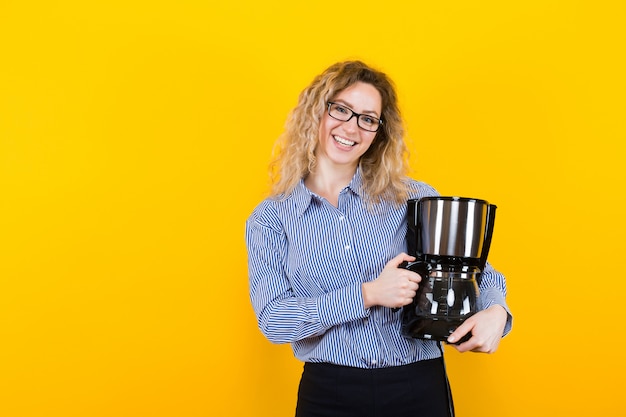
(368, 300)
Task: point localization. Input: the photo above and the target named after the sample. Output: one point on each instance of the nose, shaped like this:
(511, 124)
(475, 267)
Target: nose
(351, 125)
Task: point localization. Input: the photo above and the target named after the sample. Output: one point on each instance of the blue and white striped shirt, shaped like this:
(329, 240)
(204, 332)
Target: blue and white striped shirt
(307, 261)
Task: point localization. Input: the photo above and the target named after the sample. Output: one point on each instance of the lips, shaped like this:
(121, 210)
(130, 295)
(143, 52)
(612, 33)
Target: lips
(344, 141)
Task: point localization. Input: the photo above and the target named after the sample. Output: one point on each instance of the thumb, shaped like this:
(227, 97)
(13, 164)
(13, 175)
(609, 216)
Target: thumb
(400, 258)
(461, 331)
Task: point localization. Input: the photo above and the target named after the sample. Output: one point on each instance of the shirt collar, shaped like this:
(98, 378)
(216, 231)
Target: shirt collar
(303, 197)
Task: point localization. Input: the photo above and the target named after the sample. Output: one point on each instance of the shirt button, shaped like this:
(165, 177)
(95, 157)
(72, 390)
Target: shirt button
(347, 247)
(341, 218)
(374, 362)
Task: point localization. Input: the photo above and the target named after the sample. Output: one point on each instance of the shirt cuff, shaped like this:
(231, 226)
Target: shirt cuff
(492, 296)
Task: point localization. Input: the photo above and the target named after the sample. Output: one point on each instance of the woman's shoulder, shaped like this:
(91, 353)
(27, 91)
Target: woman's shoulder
(419, 189)
(271, 210)
(267, 207)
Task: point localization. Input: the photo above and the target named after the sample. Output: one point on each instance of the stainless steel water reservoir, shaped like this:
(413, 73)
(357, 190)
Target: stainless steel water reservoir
(451, 226)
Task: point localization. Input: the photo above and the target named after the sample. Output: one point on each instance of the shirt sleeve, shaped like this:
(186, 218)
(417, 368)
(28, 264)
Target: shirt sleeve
(283, 317)
(493, 292)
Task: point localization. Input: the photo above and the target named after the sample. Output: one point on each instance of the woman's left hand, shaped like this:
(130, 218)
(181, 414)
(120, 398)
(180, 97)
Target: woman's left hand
(486, 326)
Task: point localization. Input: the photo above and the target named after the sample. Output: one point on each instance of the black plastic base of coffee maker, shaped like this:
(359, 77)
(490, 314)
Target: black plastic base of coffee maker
(433, 329)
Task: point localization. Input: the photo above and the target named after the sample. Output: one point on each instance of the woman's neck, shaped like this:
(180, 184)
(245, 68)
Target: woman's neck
(328, 183)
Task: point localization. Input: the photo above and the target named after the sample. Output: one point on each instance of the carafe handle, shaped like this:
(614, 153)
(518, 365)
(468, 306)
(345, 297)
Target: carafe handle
(491, 218)
(423, 269)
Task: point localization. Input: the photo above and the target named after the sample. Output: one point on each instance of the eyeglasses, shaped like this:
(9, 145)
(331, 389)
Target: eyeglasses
(343, 113)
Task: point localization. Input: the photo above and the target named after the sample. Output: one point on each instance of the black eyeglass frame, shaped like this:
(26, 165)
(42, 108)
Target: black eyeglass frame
(358, 116)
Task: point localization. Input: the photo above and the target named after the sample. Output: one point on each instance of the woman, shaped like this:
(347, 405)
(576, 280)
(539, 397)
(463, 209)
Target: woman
(324, 251)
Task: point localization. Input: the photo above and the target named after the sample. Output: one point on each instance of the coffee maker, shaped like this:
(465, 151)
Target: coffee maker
(450, 237)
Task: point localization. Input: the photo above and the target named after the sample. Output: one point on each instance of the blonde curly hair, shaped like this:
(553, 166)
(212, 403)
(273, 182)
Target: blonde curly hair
(383, 167)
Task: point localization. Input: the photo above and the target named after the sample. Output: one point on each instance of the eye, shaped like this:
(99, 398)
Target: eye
(341, 109)
(368, 120)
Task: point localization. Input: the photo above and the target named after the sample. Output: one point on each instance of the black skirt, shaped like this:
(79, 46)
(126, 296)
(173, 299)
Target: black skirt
(419, 389)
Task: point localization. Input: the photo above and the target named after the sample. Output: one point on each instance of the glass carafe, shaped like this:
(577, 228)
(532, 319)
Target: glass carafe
(447, 296)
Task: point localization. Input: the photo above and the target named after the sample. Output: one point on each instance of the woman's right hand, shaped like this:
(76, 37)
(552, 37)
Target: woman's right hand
(395, 287)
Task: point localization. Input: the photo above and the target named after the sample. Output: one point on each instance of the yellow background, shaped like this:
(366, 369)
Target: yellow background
(134, 141)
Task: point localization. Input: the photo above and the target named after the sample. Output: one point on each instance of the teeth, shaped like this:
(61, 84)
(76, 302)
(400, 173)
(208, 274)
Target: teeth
(344, 141)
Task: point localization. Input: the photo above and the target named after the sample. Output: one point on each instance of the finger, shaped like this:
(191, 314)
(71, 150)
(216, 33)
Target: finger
(401, 257)
(468, 346)
(414, 277)
(461, 331)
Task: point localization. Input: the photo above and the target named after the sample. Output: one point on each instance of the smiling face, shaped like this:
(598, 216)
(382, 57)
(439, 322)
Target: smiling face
(343, 143)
